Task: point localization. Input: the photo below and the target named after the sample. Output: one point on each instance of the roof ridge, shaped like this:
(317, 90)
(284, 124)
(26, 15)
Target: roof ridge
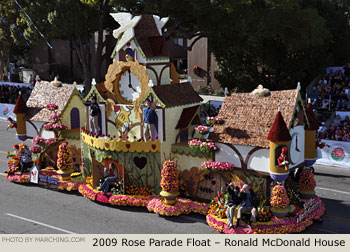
(284, 90)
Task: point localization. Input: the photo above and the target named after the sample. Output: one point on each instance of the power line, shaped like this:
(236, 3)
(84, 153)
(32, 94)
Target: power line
(36, 28)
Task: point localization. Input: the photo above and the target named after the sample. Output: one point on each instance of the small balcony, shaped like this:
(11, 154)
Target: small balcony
(119, 145)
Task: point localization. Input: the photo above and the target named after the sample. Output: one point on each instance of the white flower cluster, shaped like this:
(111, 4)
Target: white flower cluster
(309, 207)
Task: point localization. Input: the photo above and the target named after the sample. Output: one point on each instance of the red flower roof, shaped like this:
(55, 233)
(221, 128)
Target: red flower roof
(313, 125)
(279, 131)
(20, 107)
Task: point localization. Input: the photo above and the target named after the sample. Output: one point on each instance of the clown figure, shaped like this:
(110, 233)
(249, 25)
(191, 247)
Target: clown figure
(283, 158)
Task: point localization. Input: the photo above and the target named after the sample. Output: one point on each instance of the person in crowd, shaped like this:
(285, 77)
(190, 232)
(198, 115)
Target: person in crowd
(338, 134)
(320, 97)
(249, 204)
(233, 201)
(337, 120)
(111, 175)
(9, 94)
(331, 132)
(327, 96)
(346, 136)
(4, 77)
(346, 121)
(342, 100)
(313, 95)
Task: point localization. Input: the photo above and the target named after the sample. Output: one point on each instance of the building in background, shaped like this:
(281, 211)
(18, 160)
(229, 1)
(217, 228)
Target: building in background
(62, 60)
(202, 65)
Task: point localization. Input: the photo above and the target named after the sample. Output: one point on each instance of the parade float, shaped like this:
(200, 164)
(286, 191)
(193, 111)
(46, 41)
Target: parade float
(52, 117)
(265, 139)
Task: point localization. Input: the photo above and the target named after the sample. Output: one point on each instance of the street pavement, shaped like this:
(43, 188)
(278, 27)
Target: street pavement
(29, 209)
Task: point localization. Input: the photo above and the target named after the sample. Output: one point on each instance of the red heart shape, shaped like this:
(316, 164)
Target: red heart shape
(107, 145)
(154, 146)
(92, 141)
(128, 146)
(140, 162)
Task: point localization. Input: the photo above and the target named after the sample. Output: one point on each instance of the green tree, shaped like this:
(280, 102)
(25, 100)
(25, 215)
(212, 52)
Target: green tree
(278, 43)
(9, 33)
(77, 21)
(74, 20)
(272, 42)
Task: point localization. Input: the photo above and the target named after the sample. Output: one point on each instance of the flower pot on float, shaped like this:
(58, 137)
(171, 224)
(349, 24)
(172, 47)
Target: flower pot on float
(65, 174)
(169, 197)
(280, 212)
(307, 184)
(307, 194)
(64, 161)
(169, 182)
(279, 201)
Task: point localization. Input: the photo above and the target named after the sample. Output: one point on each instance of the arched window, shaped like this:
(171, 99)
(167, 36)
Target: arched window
(74, 118)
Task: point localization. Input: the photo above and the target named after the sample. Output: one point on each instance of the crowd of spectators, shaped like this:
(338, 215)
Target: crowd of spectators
(332, 90)
(9, 94)
(339, 130)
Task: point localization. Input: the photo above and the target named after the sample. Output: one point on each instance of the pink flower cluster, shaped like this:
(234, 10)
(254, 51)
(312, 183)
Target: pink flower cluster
(38, 140)
(55, 126)
(51, 106)
(279, 198)
(194, 142)
(202, 130)
(211, 120)
(35, 149)
(19, 178)
(55, 117)
(182, 206)
(199, 145)
(217, 166)
(157, 206)
(153, 203)
(51, 141)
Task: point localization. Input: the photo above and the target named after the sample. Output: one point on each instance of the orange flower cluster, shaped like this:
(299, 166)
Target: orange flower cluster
(88, 181)
(87, 192)
(264, 214)
(138, 190)
(69, 185)
(64, 161)
(217, 206)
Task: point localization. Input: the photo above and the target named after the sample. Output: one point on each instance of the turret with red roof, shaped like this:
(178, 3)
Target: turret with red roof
(279, 137)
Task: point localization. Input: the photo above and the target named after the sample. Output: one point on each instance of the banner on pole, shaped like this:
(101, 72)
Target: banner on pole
(6, 111)
(335, 153)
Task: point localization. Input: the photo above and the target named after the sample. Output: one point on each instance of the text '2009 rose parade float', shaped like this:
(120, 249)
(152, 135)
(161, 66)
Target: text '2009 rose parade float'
(137, 140)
